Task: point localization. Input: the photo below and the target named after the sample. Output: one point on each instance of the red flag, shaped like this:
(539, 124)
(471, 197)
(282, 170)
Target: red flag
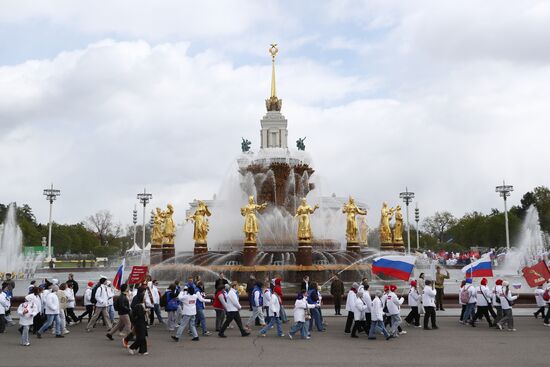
(536, 274)
(138, 274)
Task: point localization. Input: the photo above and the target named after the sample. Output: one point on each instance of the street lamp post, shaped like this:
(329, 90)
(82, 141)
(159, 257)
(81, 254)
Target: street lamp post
(417, 219)
(407, 197)
(51, 194)
(134, 220)
(144, 199)
(504, 191)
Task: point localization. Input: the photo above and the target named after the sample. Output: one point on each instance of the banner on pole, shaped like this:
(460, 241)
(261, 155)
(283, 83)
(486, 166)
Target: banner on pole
(138, 274)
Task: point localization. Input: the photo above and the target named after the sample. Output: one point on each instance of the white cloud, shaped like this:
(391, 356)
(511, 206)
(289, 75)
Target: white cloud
(447, 102)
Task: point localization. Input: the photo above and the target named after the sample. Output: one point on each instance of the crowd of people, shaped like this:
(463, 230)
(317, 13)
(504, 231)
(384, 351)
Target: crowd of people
(51, 305)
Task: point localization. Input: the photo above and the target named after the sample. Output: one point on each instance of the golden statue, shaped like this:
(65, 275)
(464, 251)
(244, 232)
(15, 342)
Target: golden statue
(251, 228)
(169, 231)
(398, 228)
(385, 230)
(304, 225)
(201, 222)
(156, 232)
(351, 210)
(363, 231)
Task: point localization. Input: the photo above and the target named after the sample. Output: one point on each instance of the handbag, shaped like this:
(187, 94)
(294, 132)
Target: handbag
(308, 314)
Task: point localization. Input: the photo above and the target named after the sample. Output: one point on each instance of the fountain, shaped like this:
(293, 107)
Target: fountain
(11, 246)
(530, 246)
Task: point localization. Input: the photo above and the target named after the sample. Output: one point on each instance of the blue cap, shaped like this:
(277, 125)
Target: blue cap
(469, 280)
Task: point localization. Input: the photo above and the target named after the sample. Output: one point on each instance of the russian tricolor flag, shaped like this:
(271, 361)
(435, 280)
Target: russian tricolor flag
(479, 269)
(397, 266)
(117, 282)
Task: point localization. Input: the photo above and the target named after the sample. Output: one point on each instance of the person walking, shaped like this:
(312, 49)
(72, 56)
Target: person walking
(139, 325)
(26, 311)
(496, 300)
(468, 295)
(483, 294)
(71, 303)
(72, 283)
(201, 318)
(359, 309)
(313, 299)
(337, 291)
(506, 302)
(257, 306)
(275, 312)
(232, 308)
(51, 307)
(110, 301)
(219, 305)
(413, 300)
(101, 298)
(440, 287)
(428, 300)
(63, 301)
(189, 306)
(367, 300)
(88, 303)
(462, 304)
(541, 303)
(278, 290)
(301, 309)
(393, 302)
(377, 318)
(156, 302)
(122, 306)
(4, 306)
(350, 301)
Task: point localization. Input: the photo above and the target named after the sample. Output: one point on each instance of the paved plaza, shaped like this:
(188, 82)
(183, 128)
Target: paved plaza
(451, 345)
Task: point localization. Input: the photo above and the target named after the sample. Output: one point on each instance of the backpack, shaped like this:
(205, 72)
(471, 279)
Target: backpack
(546, 295)
(93, 300)
(163, 300)
(464, 296)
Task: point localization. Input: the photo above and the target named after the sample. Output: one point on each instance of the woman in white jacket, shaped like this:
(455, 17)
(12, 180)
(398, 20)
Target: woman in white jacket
(26, 311)
(359, 309)
(541, 303)
(428, 299)
(377, 318)
(301, 308)
(4, 306)
(414, 299)
(275, 312)
(506, 302)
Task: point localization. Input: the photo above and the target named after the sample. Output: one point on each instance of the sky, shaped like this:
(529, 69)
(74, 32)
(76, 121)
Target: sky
(105, 98)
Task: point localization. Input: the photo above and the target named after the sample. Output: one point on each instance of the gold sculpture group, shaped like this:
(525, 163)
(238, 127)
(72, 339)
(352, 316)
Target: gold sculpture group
(164, 228)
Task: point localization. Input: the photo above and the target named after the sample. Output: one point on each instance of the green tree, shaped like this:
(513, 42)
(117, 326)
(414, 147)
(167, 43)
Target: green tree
(438, 224)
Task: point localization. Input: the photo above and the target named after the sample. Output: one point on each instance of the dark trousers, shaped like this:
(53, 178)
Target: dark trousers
(2, 323)
(492, 311)
(539, 311)
(337, 304)
(70, 315)
(349, 322)
(547, 317)
(368, 321)
(429, 314)
(141, 339)
(37, 322)
(358, 326)
(89, 311)
(499, 314)
(220, 316)
(439, 299)
(483, 311)
(233, 315)
(413, 317)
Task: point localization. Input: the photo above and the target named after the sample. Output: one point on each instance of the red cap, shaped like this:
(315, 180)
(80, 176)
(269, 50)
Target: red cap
(484, 281)
(277, 281)
(393, 288)
(90, 284)
(386, 288)
(498, 282)
(413, 283)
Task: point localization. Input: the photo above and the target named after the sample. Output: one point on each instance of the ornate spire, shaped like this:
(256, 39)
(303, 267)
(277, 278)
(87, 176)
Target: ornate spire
(273, 103)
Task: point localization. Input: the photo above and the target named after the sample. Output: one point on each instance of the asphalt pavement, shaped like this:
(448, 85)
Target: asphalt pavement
(452, 345)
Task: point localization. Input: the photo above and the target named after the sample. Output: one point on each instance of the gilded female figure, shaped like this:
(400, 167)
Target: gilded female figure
(398, 228)
(156, 232)
(169, 226)
(304, 225)
(251, 228)
(201, 222)
(351, 210)
(385, 217)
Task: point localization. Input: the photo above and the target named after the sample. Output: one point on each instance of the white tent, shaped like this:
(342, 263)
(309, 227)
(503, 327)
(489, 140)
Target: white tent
(134, 249)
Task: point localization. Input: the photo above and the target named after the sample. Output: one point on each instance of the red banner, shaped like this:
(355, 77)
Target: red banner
(537, 274)
(138, 274)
